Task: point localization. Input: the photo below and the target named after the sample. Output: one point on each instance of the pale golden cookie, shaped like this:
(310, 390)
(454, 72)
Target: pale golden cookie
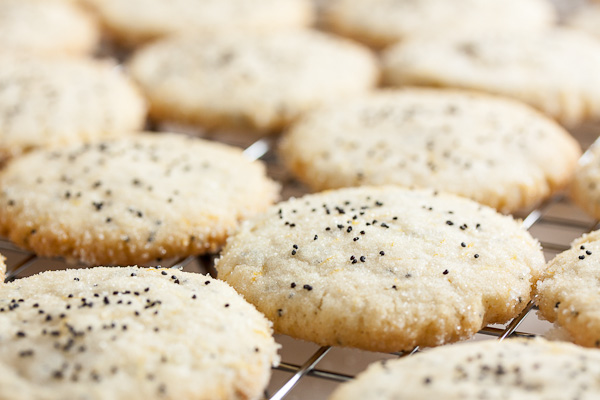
(555, 70)
(130, 333)
(585, 187)
(569, 290)
(514, 369)
(158, 18)
(55, 102)
(259, 82)
(382, 268)
(496, 151)
(381, 23)
(46, 27)
(130, 200)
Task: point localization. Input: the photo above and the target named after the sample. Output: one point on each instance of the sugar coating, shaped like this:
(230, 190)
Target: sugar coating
(46, 27)
(553, 70)
(495, 151)
(155, 19)
(130, 333)
(519, 369)
(569, 290)
(260, 82)
(585, 186)
(382, 268)
(130, 200)
(381, 23)
(58, 101)
(587, 19)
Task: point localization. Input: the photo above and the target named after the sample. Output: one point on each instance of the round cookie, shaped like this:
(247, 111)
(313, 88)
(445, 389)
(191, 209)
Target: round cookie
(587, 19)
(585, 186)
(382, 268)
(514, 369)
(130, 333)
(260, 82)
(569, 290)
(155, 19)
(130, 200)
(46, 27)
(554, 70)
(380, 23)
(54, 102)
(496, 151)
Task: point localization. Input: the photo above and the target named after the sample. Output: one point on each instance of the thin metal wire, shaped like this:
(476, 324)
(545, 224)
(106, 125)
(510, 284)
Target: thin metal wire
(319, 373)
(304, 370)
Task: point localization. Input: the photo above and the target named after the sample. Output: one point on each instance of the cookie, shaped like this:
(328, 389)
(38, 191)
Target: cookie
(380, 23)
(259, 82)
(586, 19)
(130, 200)
(46, 27)
(568, 291)
(585, 187)
(382, 268)
(130, 333)
(155, 19)
(492, 370)
(554, 71)
(496, 151)
(54, 102)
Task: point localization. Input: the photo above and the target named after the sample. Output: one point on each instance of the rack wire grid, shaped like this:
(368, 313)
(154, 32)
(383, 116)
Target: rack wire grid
(308, 371)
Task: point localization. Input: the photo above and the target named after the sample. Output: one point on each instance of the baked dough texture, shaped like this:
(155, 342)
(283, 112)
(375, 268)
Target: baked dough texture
(382, 268)
(46, 27)
(554, 70)
(58, 101)
(250, 82)
(585, 186)
(130, 200)
(131, 333)
(496, 151)
(569, 292)
(159, 18)
(380, 23)
(514, 369)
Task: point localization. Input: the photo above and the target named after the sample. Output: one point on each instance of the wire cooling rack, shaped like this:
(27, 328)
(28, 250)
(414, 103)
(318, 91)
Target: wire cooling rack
(308, 371)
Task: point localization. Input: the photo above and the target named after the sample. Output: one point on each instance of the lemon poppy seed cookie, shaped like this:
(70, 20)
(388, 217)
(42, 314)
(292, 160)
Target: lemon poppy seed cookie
(496, 151)
(569, 290)
(155, 19)
(54, 102)
(514, 369)
(585, 187)
(382, 268)
(260, 82)
(130, 200)
(553, 70)
(46, 27)
(383, 22)
(130, 333)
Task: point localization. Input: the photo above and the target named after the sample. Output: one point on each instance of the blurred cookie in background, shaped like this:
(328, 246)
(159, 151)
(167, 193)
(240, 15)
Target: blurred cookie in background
(383, 22)
(46, 27)
(255, 82)
(132, 22)
(57, 101)
(555, 70)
